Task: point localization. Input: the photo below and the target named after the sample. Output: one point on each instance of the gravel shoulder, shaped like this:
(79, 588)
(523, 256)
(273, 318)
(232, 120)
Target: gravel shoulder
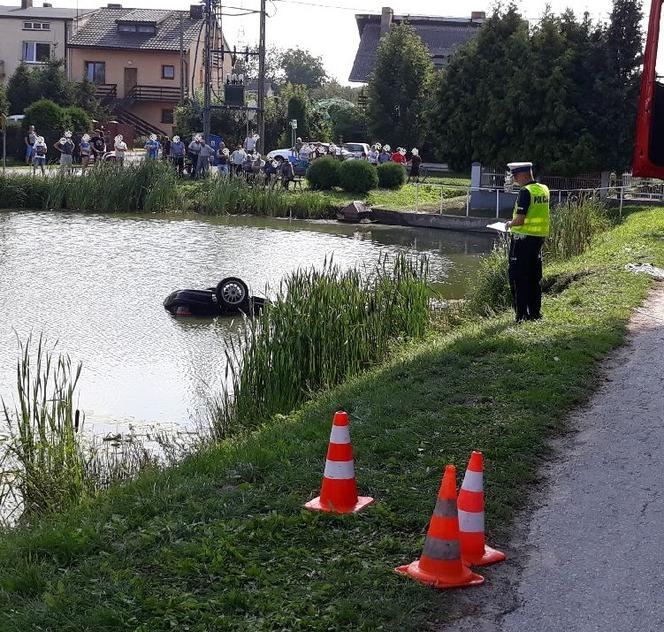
(587, 554)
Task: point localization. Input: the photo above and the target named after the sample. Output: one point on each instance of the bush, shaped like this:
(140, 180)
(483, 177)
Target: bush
(49, 120)
(77, 119)
(357, 176)
(489, 293)
(391, 175)
(323, 174)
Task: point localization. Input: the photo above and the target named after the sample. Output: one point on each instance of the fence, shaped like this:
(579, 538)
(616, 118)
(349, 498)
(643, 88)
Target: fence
(496, 200)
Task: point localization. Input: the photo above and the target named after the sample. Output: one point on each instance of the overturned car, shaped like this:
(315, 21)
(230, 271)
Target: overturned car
(230, 297)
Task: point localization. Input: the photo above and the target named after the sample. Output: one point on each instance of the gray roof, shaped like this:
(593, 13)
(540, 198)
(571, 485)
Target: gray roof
(101, 30)
(442, 36)
(50, 13)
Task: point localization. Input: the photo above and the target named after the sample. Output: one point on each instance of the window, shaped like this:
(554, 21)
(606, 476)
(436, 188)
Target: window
(36, 52)
(95, 71)
(167, 117)
(137, 28)
(36, 26)
(168, 72)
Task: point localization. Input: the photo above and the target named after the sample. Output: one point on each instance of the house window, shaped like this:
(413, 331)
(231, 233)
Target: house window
(36, 52)
(36, 26)
(95, 71)
(137, 28)
(167, 117)
(168, 72)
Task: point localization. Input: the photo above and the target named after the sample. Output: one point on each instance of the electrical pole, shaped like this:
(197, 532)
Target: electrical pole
(261, 80)
(207, 59)
(181, 58)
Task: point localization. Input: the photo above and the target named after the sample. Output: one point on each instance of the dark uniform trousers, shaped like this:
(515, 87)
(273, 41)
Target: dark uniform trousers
(525, 274)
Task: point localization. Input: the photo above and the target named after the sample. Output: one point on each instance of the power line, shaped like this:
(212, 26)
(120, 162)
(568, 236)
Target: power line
(318, 5)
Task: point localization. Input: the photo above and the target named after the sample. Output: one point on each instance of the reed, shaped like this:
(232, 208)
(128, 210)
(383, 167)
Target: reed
(106, 188)
(46, 462)
(323, 327)
(573, 226)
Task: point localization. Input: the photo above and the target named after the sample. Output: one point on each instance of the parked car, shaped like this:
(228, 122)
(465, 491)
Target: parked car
(354, 151)
(285, 154)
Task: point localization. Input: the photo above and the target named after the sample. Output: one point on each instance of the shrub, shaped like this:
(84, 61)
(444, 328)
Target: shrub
(49, 120)
(391, 175)
(357, 176)
(323, 174)
(77, 119)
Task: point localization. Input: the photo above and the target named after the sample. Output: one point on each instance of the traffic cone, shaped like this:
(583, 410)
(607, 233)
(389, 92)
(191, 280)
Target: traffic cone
(474, 550)
(338, 493)
(440, 565)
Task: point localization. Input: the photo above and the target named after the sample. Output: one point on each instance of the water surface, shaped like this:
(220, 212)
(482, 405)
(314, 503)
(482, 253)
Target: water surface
(96, 285)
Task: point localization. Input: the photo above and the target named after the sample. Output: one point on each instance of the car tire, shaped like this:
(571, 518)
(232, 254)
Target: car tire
(232, 294)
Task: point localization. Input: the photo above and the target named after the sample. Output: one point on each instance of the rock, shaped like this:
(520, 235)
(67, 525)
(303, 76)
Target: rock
(354, 212)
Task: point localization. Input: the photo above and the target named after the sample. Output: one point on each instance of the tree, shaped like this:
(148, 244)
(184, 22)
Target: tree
(398, 89)
(48, 118)
(302, 68)
(4, 101)
(77, 119)
(21, 89)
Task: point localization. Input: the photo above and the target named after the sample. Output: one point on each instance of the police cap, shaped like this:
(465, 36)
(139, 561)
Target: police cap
(520, 167)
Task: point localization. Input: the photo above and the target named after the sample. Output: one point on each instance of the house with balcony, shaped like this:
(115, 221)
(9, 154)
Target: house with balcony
(442, 36)
(34, 35)
(144, 62)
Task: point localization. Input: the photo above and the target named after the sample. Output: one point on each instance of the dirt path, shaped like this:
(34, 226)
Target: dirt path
(591, 553)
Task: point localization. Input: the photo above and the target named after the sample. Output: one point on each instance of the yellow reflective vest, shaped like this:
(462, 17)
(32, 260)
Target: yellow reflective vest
(537, 214)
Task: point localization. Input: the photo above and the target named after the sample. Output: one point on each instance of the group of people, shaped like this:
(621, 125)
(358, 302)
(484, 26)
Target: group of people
(381, 154)
(88, 149)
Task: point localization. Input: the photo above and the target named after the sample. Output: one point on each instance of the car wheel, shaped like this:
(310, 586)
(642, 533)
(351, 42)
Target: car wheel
(232, 294)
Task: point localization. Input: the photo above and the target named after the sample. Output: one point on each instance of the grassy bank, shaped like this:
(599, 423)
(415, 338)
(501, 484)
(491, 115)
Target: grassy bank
(153, 187)
(222, 543)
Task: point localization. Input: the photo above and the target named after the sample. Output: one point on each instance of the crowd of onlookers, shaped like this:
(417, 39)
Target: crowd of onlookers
(199, 158)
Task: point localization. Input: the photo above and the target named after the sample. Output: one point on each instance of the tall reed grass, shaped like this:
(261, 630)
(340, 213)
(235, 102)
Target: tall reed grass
(223, 196)
(573, 226)
(323, 327)
(106, 188)
(46, 462)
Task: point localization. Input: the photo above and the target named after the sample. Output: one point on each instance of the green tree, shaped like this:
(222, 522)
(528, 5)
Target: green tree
(22, 89)
(77, 119)
(399, 87)
(302, 68)
(4, 101)
(48, 118)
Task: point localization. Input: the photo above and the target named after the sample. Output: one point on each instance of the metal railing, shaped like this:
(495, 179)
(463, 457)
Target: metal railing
(106, 92)
(153, 93)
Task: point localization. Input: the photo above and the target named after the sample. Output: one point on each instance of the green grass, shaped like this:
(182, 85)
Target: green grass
(222, 543)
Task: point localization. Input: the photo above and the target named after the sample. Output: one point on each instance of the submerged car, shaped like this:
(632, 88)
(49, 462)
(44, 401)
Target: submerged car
(230, 297)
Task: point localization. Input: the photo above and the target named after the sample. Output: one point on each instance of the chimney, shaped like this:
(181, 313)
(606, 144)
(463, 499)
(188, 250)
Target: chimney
(26, 4)
(386, 20)
(113, 5)
(48, 5)
(477, 16)
(196, 11)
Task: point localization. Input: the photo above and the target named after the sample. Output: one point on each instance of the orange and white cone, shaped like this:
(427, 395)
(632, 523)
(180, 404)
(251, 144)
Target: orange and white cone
(474, 550)
(338, 493)
(440, 565)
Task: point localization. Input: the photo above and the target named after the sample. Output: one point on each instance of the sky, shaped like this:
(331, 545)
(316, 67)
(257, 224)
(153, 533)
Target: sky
(327, 28)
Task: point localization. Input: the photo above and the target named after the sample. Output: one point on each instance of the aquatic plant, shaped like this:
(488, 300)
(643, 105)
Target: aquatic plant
(323, 327)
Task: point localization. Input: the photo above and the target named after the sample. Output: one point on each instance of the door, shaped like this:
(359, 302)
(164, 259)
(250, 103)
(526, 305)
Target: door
(130, 79)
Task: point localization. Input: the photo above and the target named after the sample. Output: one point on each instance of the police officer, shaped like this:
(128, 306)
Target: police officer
(529, 227)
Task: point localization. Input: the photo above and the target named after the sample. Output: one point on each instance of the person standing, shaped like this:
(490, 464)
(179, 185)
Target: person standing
(529, 228)
(399, 156)
(29, 141)
(287, 173)
(152, 147)
(415, 164)
(85, 149)
(98, 145)
(237, 159)
(250, 143)
(374, 152)
(120, 148)
(385, 155)
(39, 155)
(177, 155)
(223, 160)
(194, 151)
(205, 157)
(66, 148)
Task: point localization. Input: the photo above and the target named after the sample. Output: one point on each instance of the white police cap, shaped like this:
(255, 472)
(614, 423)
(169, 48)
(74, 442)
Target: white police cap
(520, 167)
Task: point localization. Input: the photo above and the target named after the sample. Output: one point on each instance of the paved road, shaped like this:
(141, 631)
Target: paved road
(595, 545)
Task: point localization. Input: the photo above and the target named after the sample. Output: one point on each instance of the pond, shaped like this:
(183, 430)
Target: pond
(95, 284)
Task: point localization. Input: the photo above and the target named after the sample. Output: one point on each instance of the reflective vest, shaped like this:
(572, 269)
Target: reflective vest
(537, 214)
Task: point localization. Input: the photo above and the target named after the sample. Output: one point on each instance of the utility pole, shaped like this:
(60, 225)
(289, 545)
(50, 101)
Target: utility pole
(207, 59)
(261, 80)
(182, 94)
